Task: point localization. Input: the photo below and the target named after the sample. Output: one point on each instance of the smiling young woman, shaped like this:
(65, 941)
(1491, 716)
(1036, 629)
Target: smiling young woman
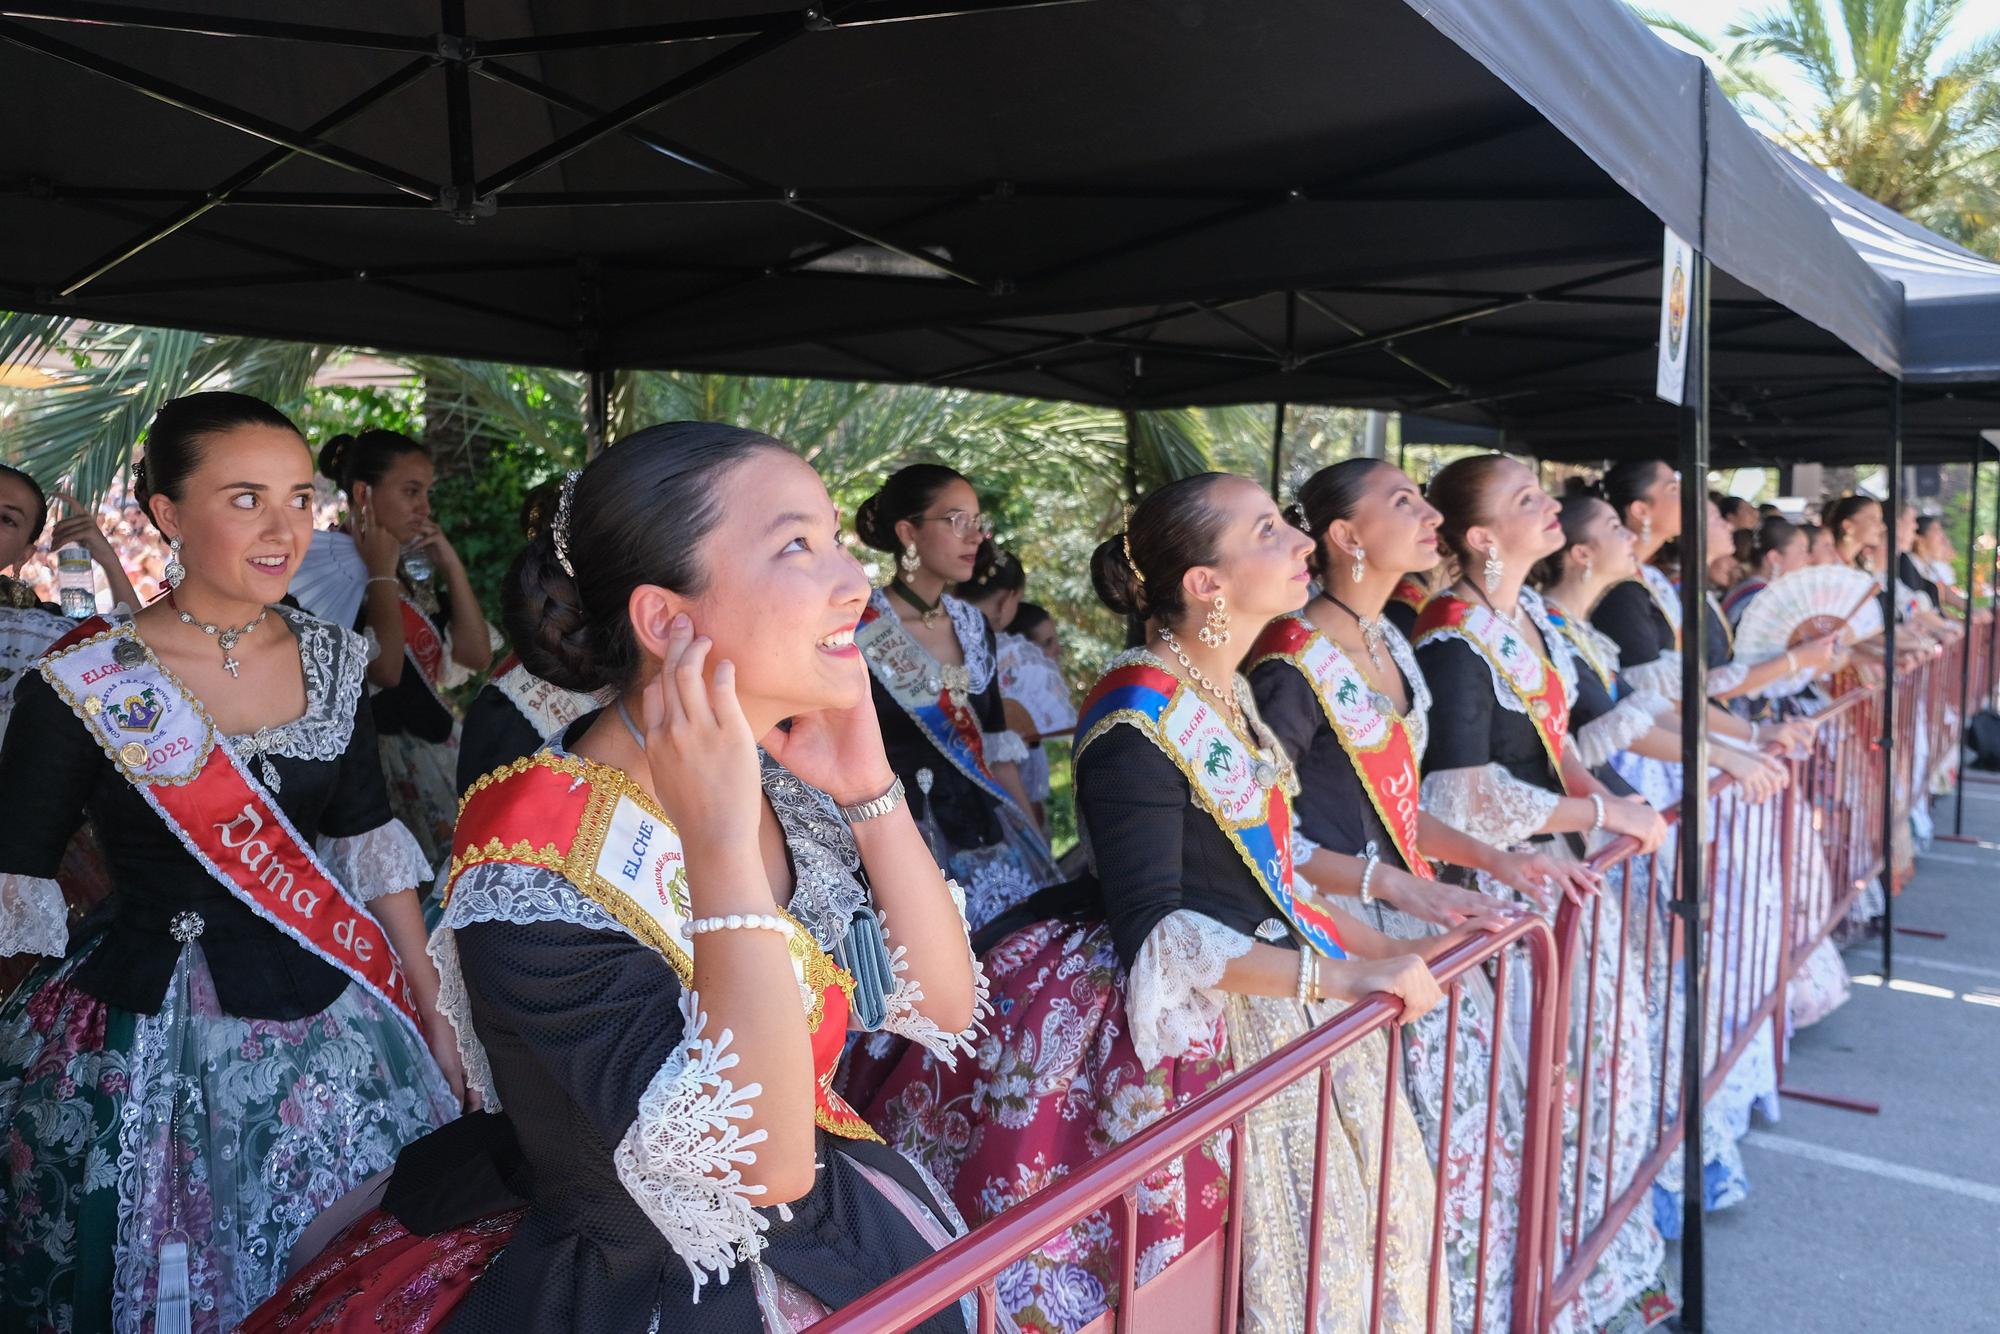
(932, 657)
(657, 1012)
(244, 1038)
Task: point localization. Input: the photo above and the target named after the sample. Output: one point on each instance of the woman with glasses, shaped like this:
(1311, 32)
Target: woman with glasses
(937, 690)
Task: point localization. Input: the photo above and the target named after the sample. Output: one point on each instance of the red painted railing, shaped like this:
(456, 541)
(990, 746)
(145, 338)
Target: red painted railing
(1781, 877)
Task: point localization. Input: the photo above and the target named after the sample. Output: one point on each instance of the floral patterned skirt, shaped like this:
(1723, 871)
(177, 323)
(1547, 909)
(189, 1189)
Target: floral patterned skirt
(1054, 1084)
(117, 1129)
(1000, 875)
(423, 788)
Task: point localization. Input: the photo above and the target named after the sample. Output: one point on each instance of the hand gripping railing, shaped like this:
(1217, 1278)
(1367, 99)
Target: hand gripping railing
(971, 1263)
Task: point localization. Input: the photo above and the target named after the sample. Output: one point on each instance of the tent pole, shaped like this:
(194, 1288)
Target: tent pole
(597, 410)
(1692, 839)
(1965, 654)
(1277, 447)
(1893, 509)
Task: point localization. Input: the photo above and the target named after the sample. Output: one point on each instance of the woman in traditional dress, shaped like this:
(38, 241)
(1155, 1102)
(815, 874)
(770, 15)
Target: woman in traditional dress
(1192, 952)
(395, 575)
(1821, 984)
(201, 1071)
(516, 711)
(1033, 695)
(937, 689)
(1500, 767)
(1338, 686)
(1935, 561)
(657, 1008)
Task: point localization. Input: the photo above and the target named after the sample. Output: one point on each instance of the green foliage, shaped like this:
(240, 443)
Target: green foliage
(1883, 110)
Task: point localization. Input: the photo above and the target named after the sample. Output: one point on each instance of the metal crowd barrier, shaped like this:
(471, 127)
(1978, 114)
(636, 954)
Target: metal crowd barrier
(1781, 877)
(1199, 1290)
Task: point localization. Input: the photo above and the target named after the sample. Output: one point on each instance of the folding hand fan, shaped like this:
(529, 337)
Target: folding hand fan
(332, 579)
(1804, 605)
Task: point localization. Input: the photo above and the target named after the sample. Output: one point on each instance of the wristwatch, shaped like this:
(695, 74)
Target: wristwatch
(876, 808)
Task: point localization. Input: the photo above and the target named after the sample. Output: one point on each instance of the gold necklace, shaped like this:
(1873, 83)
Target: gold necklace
(1195, 674)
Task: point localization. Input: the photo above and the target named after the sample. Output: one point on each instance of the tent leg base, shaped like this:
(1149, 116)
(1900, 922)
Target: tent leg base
(1920, 931)
(1833, 1100)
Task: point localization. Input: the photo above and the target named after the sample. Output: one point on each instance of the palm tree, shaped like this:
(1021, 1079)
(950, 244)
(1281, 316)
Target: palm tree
(1882, 109)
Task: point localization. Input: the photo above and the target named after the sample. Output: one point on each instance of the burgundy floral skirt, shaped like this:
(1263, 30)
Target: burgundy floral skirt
(1055, 1083)
(379, 1276)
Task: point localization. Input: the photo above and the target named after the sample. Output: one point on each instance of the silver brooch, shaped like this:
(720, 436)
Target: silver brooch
(1264, 773)
(186, 926)
(127, 653)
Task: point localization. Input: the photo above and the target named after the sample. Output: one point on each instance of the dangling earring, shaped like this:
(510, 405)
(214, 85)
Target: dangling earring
(1214, 630)
(1493, 569)
(909, 562)
(1360, 566)
(175, 571)
(1646, 531)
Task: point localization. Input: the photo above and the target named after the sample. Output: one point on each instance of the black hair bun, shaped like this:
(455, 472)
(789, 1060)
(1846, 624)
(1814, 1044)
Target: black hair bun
(542, 608)
(1116, 582)
(334, 457)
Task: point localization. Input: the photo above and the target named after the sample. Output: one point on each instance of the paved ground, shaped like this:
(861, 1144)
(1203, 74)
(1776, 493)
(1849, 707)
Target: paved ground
(1889, 1222)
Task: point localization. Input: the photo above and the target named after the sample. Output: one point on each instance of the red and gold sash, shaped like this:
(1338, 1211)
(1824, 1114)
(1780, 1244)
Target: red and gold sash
(592, 825)
(1377, 742)
(1531, 676)
(163, 742)
(1410, 593)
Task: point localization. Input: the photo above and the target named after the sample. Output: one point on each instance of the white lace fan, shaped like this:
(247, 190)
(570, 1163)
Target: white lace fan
(1808, 604)
(333, 579)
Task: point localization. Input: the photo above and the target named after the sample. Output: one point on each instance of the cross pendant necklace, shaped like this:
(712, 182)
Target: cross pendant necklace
(225, 635)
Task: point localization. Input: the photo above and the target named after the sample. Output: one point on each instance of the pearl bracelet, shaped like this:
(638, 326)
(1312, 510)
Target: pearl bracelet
(1597, 812)
(1368, 874)
(1307, 974)
(761, 921)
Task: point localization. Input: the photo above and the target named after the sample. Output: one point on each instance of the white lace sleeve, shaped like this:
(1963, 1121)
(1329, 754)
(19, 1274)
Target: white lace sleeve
(1488, 803)
(381, 861)
(455, 673)
(33, 919)
(681, 1160)
(1661, 676)
(1005, 747)
(904, 1018)
(1723, 679)
(1604, 736)
(1170, 996)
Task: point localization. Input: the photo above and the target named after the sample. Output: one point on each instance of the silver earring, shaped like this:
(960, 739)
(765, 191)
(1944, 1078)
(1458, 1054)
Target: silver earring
(1360, 568)
(1494, 569)
(909, 562)
(175, 571)
(1646, 531)
(1214, 630)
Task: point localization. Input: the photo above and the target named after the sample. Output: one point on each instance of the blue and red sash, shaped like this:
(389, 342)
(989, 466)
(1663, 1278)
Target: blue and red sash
(914, 679)
(1224, 771)
(163, 742)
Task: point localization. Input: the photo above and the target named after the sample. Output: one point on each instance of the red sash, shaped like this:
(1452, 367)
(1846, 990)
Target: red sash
(1530, 675)
(1377, 744)
(1410, 593)
(422, 644)
(163, 742)
(590, 824)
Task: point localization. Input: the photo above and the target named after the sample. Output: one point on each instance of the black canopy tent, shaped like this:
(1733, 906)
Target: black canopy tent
(1453, 203)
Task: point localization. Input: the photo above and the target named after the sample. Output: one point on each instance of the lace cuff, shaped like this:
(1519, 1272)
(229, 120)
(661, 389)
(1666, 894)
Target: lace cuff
(1723, 679)
(1604, 736)
(1489, 803)
(33, 917)
(1661, 676)
(454, 673)
(681, 1159)
(1170, 997)
(1005, 748)
(383, 860)
(905, 1020)
(455, 1005)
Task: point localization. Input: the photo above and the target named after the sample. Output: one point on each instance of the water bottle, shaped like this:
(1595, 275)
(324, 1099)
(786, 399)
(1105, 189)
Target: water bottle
(417, 563)
(76, 583)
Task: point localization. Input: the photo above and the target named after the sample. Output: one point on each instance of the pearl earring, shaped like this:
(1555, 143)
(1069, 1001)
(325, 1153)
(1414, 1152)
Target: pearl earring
(909, 562)
(1214, 630)
(1360, 563)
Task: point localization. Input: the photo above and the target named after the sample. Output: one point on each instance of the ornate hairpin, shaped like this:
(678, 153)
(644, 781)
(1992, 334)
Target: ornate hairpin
(1125, 541)
(562, 521)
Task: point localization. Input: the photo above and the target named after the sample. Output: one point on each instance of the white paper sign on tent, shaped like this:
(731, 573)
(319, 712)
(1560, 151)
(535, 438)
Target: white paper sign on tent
(1676, 316)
